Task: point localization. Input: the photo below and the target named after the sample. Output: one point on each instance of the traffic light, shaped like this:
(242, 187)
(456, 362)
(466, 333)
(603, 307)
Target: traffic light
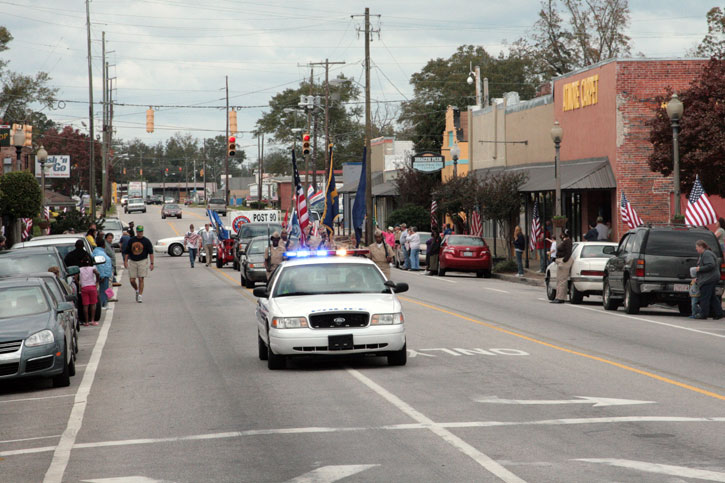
(28, 135)
(179, 169)
(306, 143)
(232, 148)
(150, 120)
(201, 173)
(233, 122)
(140, 172)
(167, 172)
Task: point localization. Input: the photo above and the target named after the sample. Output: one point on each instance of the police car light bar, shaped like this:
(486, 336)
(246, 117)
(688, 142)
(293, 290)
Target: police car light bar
(342, 252)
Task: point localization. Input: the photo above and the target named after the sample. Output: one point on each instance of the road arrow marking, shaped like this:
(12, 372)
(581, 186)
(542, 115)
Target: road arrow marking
(125, 479)
(596, 401)
(328, 474)
(681, 471)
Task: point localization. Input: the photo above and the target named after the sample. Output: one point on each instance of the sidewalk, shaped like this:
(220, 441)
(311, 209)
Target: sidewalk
(531, 277)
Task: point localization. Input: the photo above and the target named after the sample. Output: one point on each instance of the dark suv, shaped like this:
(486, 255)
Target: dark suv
(247, 231)
(652, 265)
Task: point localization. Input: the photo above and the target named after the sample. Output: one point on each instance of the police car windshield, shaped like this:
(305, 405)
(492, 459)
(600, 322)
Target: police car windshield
(329, 278)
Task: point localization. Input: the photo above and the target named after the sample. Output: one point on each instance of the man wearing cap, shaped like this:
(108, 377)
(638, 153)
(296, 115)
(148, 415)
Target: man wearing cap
(273, 254)
(136, 259)
(380, 253)
(287, 242)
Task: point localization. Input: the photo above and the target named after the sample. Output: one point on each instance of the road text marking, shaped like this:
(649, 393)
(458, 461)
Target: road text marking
(332, 473)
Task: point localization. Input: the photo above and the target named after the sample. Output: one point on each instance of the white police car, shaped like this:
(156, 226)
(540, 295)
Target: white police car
(329, 303)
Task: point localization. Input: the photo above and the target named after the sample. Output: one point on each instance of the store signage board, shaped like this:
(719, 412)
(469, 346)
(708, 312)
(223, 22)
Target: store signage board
(428, 162)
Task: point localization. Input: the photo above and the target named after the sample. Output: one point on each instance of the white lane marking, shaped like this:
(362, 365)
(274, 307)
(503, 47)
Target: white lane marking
(126, 479)
(485, 461)
(681, 471)
(649, 321)
(392, 427)
(329, 474)
(61, 455)
(424, 274)
(6, 401)
(8, 441)
(596, 401)
(496, 290)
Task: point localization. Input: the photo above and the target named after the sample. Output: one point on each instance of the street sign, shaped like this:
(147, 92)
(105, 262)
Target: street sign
(428, 162)
(4, 135)
(55, 167)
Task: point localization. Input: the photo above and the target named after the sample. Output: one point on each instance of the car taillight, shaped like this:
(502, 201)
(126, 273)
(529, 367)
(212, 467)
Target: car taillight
(639, 270)
(722, 271)
(449, 250)
(592, 273)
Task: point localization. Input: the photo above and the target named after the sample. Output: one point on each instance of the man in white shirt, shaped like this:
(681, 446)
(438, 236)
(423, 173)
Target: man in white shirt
(413, 241)
(602, 229)
(404, 246)
(208, 239)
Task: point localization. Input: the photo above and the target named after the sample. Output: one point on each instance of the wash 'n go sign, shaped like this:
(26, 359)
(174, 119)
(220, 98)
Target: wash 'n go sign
(55, 167)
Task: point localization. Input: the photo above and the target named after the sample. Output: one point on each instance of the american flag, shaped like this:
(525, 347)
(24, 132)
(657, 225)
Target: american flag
(46, 214)
(629, 214)
(699, 210)
(433, 217)
(28, 222)
(476, 226)
(536, 232)
(300, 201)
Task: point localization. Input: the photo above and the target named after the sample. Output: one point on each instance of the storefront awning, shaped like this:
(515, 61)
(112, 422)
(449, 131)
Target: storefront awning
(388, 188)
(586, 174)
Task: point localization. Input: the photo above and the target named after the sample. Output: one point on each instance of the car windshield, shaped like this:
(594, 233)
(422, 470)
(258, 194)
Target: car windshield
(112, 225)
(424, 237)
(21, 301)
(217, 201)
(172, 207)
(465, 241)
(256, 247)
(329, 278)
(17, 264)
(250, 231)
(596, 251)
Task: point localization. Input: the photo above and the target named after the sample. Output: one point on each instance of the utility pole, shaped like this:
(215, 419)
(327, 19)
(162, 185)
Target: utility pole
(259, 170)
(92, 154)
(307, 158)
(226, 160)
(203, 154)
(327, 64)
(104, 138)
(314, 149)
(186, 177)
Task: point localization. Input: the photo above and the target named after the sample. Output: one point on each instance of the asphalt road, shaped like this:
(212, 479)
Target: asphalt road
(500, 385)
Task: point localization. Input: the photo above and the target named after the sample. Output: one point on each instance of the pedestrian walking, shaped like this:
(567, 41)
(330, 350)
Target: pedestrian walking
(273, 254)
(564, 262)
(592, 234)
(125, 237)
(381, 253)
(413, 241)
(720, 234)
(192, 242)
(89, 278)
(404, 246)
(105, 270)
(433, 252)
(286, 241)
(519, 247)
(208, 240)
(136, 259)
(602, 229)
(112, 255)
(708, 275)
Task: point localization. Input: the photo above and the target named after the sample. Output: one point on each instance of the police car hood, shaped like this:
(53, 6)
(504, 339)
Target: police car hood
(373, 303)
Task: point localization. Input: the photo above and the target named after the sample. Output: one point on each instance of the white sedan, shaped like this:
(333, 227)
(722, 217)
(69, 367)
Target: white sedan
(174, 246)
(329, 305)
(587, 270)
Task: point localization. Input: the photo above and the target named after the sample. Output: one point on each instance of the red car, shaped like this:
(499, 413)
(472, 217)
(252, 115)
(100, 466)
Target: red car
(465, 253)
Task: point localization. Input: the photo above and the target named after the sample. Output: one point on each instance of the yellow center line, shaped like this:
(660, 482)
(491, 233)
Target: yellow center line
(245, 291)
(173, 228)
(570, 351)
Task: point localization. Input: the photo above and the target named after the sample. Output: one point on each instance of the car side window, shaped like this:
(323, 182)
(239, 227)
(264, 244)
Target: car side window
(637, 242)
(622, 250)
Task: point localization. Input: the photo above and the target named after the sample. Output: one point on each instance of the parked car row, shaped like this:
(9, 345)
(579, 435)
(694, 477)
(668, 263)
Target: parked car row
(458, 253)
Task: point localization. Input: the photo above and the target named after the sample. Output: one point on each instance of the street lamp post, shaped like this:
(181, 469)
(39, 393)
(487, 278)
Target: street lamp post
(674, 111)
(18, 141)
(42, 156)
(557, 133)
(455, 153)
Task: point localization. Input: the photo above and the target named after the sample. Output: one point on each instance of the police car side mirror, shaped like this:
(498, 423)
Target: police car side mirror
(261, 292)
(400, 287)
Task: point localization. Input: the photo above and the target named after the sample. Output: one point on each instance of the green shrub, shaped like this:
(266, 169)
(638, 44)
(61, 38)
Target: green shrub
(20, 195)
(257, 205)
(74, 219)
(411, 215)
(506, 266)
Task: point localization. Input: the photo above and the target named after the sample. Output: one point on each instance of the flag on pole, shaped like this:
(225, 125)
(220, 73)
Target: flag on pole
(46, 215)
(536, 232)
(300, 201)
(332, 200)
(314, 197)
(359, 206)
(28, 223)
(629, 214)
(294, 227)
(433, 217)
(699, 210)
(476, 226)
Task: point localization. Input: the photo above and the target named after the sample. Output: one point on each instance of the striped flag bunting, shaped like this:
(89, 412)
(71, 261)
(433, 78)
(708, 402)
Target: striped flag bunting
(476, 226)
(699, 210)
(629, 214)
(28, 223)
(536, 232)
(300, 201)
(433, 217)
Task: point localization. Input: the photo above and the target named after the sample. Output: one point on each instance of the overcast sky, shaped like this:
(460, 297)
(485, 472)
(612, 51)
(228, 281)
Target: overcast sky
(177, 52)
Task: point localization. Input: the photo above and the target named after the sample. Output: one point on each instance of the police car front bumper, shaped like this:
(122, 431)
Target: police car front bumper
(370, 339)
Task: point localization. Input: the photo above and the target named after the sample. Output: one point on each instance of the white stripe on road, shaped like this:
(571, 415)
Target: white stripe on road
(392, 427)
(450, 438)
(8, 441)
(496, 290)
(6, 401)
(330, 474)
(61, 455)
(681, 471)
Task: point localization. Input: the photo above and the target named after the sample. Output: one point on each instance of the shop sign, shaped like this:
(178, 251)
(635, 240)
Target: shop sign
(581, 93)
(428, 162)
(55, 167)
(4, 135)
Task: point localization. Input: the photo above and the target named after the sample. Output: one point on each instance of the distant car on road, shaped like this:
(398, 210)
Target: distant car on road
(246, 232)
(135, 204)
(464, 253)
(587, 270)
(170, 209)
(252, 262)
(169, 199)
(124, 200)
(174, 246)
(217, 204)
(114, 226)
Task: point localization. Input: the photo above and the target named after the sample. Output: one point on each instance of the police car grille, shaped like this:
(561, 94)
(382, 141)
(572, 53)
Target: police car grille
(339, 320)
(10, 346)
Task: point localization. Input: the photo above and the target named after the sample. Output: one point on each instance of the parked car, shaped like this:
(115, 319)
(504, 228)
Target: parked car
(114, 225)
(252, 262)
(246, 232)
(124, 200)
(424, 237)
(464, 253)
(171, 210)
(217, 204)
(174, 246)
(156, 200)
(63, 243)
(587, 270)
(135, 204)
(36, 333)
(652, 265)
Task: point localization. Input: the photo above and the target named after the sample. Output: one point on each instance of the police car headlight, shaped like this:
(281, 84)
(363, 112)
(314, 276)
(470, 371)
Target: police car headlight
(387, 319)
(40, 338)
(289, 322)
(161, 243)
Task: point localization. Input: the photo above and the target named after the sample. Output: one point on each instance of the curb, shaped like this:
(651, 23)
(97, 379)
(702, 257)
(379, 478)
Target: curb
(535, 282)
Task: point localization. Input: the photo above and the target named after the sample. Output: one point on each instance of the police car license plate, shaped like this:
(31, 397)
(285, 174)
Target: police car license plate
(681, 287)
(467, 254)
(339, 342)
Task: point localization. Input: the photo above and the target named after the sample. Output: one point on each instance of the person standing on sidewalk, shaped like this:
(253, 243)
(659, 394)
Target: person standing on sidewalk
(208, 239)
(433, 252)
(404, 246)
(88, 277)
(105, 270)
(192, 242)
(708, 276)
(519, 247)
(136, 259)
(112, 255)
(413, 241)
(563, 267)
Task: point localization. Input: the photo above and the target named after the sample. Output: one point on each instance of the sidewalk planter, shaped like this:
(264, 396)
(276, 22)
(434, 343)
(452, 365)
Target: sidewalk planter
(559, 221)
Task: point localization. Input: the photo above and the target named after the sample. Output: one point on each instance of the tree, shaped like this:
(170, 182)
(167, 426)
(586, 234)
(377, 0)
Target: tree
(20, 199)
(19, 91)
(501, 201)
(278, 161)
(702, 132)
(415, 187)
(442, 83)
(458, 196)
(570, 34)
(713, 45)
(411, 215)
(72, 142)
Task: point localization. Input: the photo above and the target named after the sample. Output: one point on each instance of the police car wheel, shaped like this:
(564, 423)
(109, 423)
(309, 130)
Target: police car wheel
(262, 349)
(275, 362)
(398, 358)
